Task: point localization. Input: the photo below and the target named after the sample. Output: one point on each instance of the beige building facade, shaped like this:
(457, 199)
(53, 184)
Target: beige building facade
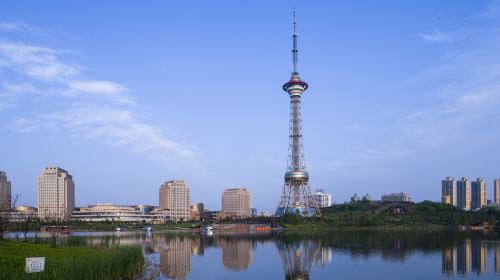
(237, 202)
(479, 194)
(175, 197)
(56, 194)
(496, 191)
(5, 193)
(448, 195)
(464, 194)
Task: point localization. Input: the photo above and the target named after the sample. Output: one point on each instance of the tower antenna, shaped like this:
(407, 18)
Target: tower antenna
(295, 51)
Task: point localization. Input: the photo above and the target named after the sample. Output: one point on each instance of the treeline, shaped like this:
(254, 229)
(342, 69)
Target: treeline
(370, 214)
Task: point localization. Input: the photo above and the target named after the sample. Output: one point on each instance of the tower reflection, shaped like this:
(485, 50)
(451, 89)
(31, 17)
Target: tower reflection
(298, 257)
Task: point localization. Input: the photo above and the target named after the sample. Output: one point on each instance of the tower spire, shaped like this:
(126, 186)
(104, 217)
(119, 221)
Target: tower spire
(294, 50)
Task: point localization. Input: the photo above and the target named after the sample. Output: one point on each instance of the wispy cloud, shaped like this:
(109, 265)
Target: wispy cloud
(94, 109)
(122, 128)
(13, 26)
(439, 37)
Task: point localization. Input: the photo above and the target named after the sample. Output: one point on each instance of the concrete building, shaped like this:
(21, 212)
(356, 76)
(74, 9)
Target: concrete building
(448, 195)
(496, 192)
(5, 193)
(197, 211)
(174, 197)
(237, 202)
(113, 212)
(464, 194)
(322, 199)
(56, 194)
(395, 197)
(479, 194)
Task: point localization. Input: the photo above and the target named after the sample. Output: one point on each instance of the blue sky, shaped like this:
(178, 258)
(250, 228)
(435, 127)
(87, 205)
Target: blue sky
(128, 95)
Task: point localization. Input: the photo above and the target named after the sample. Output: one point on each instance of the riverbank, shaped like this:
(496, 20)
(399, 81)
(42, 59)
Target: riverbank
(67, 262)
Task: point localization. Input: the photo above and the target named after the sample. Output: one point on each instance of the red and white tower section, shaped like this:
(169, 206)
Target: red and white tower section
(296, 196)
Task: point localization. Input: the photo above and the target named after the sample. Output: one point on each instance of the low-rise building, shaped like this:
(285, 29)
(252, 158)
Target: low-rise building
(197, 211)
(395, 197)
(355, 198)
(322, 198)
(121, 213)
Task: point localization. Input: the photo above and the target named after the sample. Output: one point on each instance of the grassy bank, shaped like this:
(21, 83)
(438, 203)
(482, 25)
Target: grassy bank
(70, 262)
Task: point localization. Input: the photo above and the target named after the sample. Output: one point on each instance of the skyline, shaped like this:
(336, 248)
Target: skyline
(169, 98)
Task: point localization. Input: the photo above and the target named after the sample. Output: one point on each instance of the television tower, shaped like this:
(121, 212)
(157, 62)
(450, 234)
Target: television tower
(296, 194)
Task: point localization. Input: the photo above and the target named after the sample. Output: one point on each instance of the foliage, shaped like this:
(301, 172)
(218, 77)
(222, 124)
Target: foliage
(378, 214)
(70, 262)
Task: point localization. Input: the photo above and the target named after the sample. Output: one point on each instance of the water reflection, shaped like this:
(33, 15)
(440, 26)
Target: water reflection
(298, 256)
(236, 253)
(469, 256)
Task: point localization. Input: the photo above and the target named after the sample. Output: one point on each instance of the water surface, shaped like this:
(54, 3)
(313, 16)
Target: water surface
(324, 255)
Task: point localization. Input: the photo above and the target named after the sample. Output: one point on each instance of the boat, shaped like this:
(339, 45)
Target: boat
(208, 230)
(148, 229)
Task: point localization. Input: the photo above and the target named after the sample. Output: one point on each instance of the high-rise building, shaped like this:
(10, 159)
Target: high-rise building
(323, 199)
(448, 195)
(5, 193)
(464, 194)
(496, 192)
(479, 194)
(174, 197)
(296, 194)
(237, 202)
(56, 194)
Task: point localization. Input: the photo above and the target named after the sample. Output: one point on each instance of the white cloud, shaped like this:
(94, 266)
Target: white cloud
(121, 128)
(37, 62)
(105, 88)
(12, 26)
(98, 109)
(24, 125)
(436, 37)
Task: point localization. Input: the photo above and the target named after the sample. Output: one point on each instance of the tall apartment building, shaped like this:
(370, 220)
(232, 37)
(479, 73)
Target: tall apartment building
(464, 194)
(5, 192)
(496, 191)
(56, 193)
(448, 195)
(237, 202)
(479, 194)
(174, 197)
(322, 199)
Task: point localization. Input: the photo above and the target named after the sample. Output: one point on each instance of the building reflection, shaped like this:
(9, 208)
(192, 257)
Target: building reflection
(175, 258)
(469, 256)
(497, 259)
(298, 257)
(236, 253)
